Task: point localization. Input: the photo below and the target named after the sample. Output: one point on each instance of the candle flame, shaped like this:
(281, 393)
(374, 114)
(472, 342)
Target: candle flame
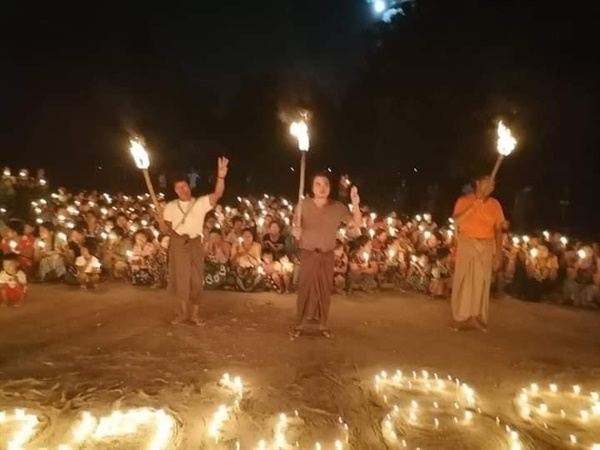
(506, 141)
(300, 131)
(139, 153)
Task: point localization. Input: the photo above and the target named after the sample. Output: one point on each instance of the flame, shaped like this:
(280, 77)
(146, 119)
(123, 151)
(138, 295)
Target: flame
(506, 141)
(300, 131)
(139, 153)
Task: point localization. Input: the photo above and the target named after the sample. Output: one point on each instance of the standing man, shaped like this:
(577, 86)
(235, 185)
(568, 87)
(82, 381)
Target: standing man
(183, 219)
(479, 219)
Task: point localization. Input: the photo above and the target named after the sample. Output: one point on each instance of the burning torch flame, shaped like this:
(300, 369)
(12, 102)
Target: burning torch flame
(300, 131)
(139, 153)
(506, 141)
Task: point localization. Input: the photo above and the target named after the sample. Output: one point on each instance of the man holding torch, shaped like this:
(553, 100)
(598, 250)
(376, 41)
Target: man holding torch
(183, 219)
(479, 219)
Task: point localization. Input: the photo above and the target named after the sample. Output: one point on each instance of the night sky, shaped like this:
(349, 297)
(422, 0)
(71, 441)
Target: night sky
(77, 78)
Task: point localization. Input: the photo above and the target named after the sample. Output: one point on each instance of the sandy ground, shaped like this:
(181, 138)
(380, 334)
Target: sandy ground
(66, 351)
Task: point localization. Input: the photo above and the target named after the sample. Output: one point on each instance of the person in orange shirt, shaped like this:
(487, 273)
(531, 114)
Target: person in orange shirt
(479, 219)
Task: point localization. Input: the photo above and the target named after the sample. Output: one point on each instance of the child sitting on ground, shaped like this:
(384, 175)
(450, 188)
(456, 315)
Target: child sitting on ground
(441, 275)
(88, 266)
(13, 282)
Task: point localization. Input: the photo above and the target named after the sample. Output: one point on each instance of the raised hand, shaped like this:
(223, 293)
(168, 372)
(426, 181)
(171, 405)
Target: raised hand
(354, 196)
(222, 167)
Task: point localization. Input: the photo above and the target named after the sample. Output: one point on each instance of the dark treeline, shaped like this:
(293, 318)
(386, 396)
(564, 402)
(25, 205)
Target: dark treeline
(413, 125)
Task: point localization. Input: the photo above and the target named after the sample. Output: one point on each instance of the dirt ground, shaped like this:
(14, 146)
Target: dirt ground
(66, 351)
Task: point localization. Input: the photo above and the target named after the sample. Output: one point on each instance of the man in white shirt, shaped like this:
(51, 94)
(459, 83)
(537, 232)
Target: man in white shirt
(183, 219)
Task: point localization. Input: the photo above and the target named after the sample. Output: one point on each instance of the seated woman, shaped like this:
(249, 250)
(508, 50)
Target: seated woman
(16, 241)
(216, 258)
(115, 259)
(580, 286)
(274, 241)
(391, 263)
(441, 275)
(88, 265)
(51, 253)
(245, 262)
(278, 273)
(158, 264)
(419, 273)
(541, 268)
(363, 269)
(141, 255)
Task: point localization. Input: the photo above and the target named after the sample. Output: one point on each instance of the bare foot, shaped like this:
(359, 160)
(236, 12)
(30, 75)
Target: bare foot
(327, 334)
(196, 321)
(178, 320)
(478, 323)
(295, 334)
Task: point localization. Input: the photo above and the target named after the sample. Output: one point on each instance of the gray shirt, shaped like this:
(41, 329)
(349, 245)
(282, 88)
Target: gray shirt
(320, 224)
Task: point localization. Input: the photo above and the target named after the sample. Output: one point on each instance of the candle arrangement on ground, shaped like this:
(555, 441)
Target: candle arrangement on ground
(17, 428)
(568, 414)
(428, 411)
(130, 428)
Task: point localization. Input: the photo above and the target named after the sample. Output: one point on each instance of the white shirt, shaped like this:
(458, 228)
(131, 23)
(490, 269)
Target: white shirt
(191, 224)
(12, 280)
(88, 266)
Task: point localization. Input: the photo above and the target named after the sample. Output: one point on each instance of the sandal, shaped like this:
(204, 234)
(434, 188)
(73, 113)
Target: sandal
(327, 334)
(197, 322)
(178, 321)
(295, 334)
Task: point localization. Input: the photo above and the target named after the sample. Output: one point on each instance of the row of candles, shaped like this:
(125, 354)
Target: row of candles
(533, 406)
(438, 388)
(421, 382)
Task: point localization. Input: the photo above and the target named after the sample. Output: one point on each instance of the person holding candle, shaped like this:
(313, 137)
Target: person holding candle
(50, 253)
(217, 252)
(183, 219)
(13, 281)
(479, 219)
(364, 266)
(88, 265)
(246, 262)
(316, 232)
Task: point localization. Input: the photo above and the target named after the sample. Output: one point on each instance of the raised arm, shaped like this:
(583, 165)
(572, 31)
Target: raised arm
(356, 214)
(222, 167)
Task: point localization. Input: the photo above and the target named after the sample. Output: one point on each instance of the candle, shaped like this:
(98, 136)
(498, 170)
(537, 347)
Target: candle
(366, 257)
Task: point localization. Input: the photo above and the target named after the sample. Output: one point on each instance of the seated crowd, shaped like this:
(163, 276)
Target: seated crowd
(83, 239)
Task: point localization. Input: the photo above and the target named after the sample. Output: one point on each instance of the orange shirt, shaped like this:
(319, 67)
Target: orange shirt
(480, 223)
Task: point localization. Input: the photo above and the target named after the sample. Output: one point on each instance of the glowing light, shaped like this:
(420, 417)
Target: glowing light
(379, 6)
(300, 131)
(139, 153)
(28, 424)
(506, 142)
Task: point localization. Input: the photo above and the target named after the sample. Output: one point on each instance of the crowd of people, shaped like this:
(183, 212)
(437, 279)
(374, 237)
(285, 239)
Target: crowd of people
(87, 238)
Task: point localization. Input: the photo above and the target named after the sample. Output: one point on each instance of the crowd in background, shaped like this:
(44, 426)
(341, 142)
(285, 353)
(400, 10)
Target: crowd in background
(87, 238)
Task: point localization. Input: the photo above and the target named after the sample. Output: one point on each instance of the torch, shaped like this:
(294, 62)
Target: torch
(300, 131)
(142, 161)
(506, 144)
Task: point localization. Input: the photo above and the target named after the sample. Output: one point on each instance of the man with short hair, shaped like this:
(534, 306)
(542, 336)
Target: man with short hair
(183, 219)
(479, 220)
